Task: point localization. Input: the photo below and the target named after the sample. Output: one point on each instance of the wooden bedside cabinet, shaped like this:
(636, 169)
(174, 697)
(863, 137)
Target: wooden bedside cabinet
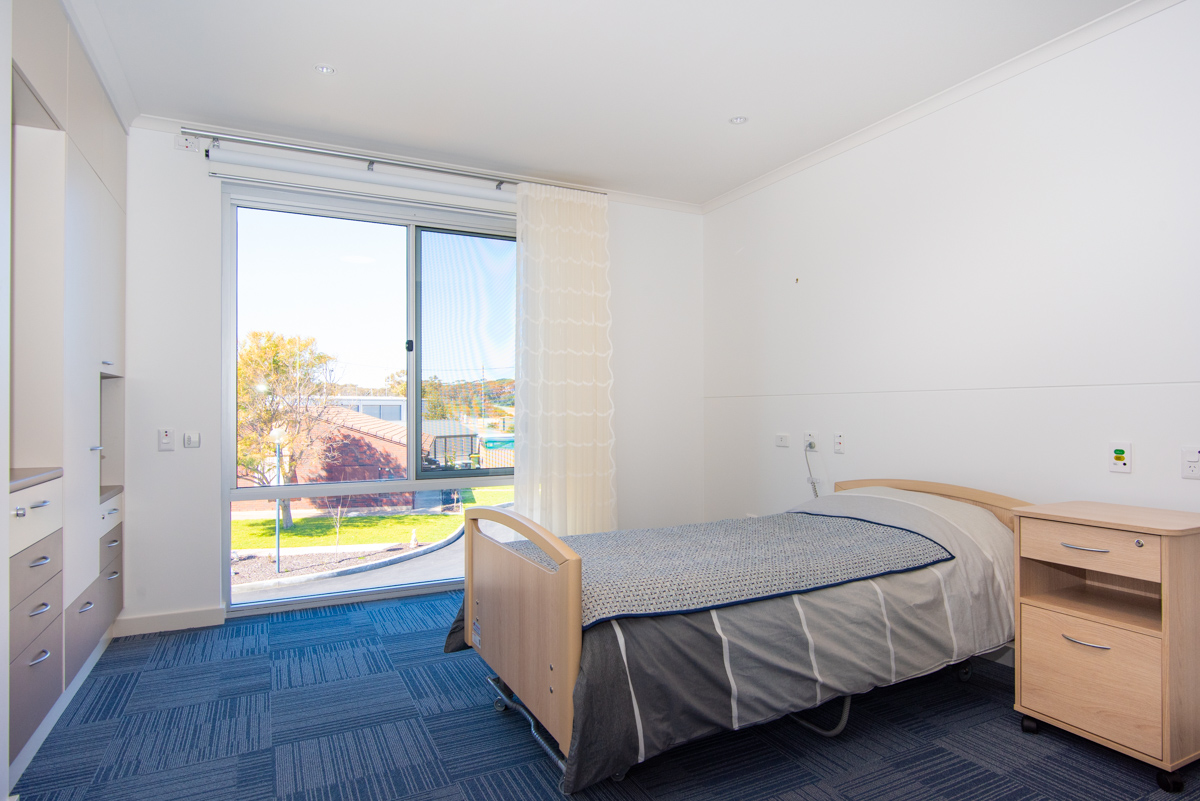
(1108, 628)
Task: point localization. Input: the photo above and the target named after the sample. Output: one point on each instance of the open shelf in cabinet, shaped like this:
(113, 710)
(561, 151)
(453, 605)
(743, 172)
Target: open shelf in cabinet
(1129, 603)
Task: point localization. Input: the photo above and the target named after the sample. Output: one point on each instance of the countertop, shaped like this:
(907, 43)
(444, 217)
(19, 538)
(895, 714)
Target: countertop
(20, 478)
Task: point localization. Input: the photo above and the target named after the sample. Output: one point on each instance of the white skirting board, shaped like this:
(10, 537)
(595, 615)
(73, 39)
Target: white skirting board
(169, 621)
(41, 732)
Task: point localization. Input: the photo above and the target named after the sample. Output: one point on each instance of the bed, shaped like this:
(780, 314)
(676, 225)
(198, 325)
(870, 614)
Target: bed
(621, 645)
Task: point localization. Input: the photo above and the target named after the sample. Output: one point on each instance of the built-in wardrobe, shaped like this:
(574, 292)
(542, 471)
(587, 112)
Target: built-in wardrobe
(66, 499)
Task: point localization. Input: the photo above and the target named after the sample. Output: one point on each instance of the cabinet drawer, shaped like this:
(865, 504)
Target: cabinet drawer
(1111, 551)
(33, 567)
(112, 544)
(33, 512)
(112, 512)
(90, 615)
(1114, 692)
(35, 682)
(30, 617)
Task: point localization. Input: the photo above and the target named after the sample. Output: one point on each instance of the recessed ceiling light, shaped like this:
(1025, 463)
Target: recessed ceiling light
(324, 69)
(739, 120)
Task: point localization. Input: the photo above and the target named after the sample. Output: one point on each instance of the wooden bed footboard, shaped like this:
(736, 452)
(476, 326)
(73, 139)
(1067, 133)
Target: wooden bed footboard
(525, 620)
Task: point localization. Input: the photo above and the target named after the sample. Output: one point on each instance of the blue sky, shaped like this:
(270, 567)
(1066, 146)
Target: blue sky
(344, 282)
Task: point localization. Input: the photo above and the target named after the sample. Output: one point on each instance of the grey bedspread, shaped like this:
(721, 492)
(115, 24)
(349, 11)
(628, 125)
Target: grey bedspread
(647, 684)
(700, 566)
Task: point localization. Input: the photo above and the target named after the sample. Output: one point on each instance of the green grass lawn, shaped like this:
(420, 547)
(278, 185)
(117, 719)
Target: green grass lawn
(365, 530)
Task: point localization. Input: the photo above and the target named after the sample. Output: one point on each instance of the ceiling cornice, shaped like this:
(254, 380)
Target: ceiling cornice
(1085, 34)
(93, 34)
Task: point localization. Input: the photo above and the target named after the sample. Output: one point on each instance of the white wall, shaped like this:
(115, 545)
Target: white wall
(986, 296)
(658, 364)
(173, 512)
(6, 42)
(173, 559)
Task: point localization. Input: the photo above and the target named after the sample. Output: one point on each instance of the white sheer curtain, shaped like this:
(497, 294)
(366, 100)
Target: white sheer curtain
(564, 436)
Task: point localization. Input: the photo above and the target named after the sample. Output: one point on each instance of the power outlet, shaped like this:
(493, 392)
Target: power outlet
(810, 441)
(782, 441)
(1189, 462)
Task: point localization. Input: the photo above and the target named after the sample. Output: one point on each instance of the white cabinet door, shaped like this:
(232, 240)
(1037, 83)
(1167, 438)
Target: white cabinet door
(111, 297)
(85, 239)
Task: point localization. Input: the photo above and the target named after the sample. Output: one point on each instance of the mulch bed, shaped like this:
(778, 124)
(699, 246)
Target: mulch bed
(253, 567)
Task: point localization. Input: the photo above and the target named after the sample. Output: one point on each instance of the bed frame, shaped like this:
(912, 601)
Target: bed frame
(526, 621)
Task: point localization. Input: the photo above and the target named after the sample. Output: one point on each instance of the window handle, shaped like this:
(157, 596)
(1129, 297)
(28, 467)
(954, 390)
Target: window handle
(408, 346)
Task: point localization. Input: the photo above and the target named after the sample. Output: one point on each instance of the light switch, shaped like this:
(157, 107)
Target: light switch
(166, 439)
(191, 439)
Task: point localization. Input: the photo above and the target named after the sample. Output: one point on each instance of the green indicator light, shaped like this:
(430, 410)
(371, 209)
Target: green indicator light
(1119, 452)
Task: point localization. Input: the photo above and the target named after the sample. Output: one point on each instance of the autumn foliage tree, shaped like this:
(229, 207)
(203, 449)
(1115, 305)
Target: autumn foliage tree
(283, 383)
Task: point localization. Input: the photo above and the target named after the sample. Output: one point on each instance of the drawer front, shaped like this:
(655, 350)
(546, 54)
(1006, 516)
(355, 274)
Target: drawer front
(1111, 551)
(29, 618)
(90, 615)
(112, 544)
(112, 512)
(1114, 693)
(35, 681)
(33, 513)
(33, 567)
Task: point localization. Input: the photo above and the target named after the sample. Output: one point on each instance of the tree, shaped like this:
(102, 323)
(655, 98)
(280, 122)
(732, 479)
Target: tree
(396, 384)
(283, 383)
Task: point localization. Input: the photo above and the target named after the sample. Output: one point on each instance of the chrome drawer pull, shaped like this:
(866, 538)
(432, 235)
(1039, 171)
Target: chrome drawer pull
(96, 448)
(86, 607)
(107, 364)
(113, 544)
(44, 560)
(114, 575)
(113, 511)
(39, 504)
(1088, 644)
(41, 657)
(1081, 548)
(45, 607)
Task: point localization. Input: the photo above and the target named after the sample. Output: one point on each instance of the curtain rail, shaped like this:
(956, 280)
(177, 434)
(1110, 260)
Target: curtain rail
(347, 154)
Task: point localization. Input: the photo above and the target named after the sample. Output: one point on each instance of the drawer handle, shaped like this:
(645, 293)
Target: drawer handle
(1081, 548)
(86, 607)
(114, 511)
(1088, 644)
(39, 504)
(107, 364)
(113, 544)
(114, 575)
(42, 657)
(44, 560)
(45, 607)
(96, 448)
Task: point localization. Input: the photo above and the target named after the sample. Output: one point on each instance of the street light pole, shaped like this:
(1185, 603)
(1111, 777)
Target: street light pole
(278, 435)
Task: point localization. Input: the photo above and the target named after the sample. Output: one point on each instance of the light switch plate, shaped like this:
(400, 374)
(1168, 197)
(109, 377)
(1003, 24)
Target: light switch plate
(191, 439)
(839, 443)
(1120, 457)
(166, 439)
(781, 441)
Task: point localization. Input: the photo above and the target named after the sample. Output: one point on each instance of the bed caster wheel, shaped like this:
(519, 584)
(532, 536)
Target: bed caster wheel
(1029, 725)
(619, 776)
(500, 705)
(562, 785)
(963, 671)
(1170, 781)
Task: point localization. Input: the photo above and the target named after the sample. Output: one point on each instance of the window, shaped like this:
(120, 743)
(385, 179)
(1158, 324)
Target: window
(371, 359)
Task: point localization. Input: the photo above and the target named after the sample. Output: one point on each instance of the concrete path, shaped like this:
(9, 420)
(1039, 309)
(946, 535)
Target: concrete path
(440, 565)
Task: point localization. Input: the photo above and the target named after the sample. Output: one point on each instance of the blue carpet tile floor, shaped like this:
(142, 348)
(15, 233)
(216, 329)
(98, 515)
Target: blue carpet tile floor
(358, 703)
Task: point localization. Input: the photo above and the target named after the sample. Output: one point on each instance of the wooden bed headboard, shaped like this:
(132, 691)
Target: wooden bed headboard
(999, 505)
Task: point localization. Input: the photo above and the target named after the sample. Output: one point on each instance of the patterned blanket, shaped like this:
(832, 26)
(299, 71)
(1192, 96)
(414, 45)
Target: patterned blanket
(700, 566)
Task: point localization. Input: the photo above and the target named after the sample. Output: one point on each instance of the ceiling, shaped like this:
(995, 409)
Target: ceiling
(632, 96)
